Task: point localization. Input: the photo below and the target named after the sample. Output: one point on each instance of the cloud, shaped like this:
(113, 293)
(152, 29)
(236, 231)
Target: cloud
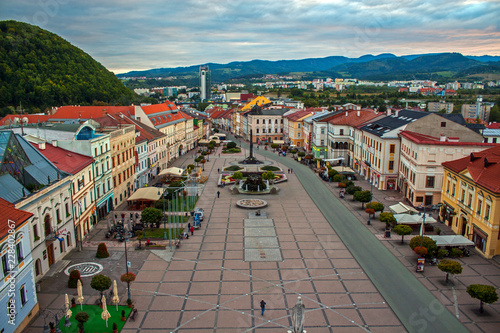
(128, 34)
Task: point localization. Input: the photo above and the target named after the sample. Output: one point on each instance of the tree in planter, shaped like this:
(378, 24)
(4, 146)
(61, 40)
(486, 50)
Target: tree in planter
(81, 318)
(403, 230)
(301, 154)
(190, 168)
(128, 278)
(198, 160)
(274, 145)
(231, 145)
(387, 218)
(237, 175)
(102, 251)
(100, 283)
(74, 276)
(293, 152)
(427, 242)
(350, 189)
(377, 206)
(484, 293)
(342, 185)
(115, 327)
(450, 267)
(152, 215)
(332, 173)
(363, 197)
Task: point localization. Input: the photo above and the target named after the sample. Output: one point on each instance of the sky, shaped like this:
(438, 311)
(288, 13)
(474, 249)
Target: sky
(126, 35)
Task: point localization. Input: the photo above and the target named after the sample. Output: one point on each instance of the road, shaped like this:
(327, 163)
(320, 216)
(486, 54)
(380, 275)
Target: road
(416, 307)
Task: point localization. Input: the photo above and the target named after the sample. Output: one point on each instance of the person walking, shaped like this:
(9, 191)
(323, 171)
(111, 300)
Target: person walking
(218, 170)
(218, 194)
(262, 307)
(189, 226)
(192, 231)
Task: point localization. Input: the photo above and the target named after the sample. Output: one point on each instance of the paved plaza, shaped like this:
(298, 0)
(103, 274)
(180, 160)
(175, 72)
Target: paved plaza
(215, 281)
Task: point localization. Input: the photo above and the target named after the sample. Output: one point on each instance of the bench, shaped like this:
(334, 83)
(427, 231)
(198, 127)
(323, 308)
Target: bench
(133, 314)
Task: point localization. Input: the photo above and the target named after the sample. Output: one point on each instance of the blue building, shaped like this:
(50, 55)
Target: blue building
(17, 287)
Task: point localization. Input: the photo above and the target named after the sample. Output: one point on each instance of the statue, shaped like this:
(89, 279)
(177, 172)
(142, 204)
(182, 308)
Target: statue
(251, 159)
(298, 316)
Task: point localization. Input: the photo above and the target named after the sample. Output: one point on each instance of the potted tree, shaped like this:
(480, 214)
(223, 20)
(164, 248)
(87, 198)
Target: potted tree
(403, 230)
(450, 267)
(115, 328)
(81, 318)
(74, 276)
(484, 293)
(123, 316)
(73, 302)
(52, 327)
(102, 251)
(129, 303)
(100, 283)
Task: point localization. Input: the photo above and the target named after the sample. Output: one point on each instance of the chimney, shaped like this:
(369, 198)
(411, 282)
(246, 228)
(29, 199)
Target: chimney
(397, 113)
(41, 146)
(346, 113)
(388, 111)
(359, 113)
(54, 143)
(442, 137)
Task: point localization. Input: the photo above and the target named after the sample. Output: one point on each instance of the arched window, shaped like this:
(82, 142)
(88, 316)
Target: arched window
(48, 225)
(38, 267)
(68, 239)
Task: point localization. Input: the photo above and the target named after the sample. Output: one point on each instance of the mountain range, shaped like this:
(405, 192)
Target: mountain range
(375, 67)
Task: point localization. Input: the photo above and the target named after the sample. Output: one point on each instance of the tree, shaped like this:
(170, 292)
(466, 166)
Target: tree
(450, 267)
(338, 178)
(81, 318)
(351, 189)
(427, 242)
(403, 230)
(377, 206)
(102, 251)
(74, 276)
(237, 175)
(100, 283)
(293, 151)
(301, 154)
(484, 293)
(269, 175)
(387, 218)
(231, 145)
(363, 197)
(151, 215)
(274, 145)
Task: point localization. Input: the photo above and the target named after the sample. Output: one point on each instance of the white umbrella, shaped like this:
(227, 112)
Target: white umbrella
(68, 312)
(80, 297)
(298, 316)
(105, 314)
(115, 298)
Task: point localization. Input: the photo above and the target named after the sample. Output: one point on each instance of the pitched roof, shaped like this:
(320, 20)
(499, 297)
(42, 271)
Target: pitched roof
(63, 159)
(10, 119)
(483, 167)
(147, 132)
(89, 112)
(494, 125)
(431, 140)
(354, 118)
(298, 115)
(388, 123)
(158, 108)
(9, 212)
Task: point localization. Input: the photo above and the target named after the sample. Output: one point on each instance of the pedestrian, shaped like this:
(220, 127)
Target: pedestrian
(291, 170)
(218, 194)
(223, 184)
(262, 306)
(218, 170)
(192, 231)
(189, 226)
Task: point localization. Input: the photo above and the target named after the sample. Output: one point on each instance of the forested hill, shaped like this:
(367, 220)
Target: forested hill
(40, 69)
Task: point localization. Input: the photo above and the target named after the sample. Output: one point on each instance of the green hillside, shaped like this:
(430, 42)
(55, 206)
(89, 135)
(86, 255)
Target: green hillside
(40, 69)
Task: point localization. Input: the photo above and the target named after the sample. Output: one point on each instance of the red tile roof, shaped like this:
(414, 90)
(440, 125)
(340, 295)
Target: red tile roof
(494, 125)
(150, 133)
(32, 118)
(157, 108)
(90, 112)
(432, 140)
(484, 167)
(352, 118)
(298, 115)
(167, 118)
(9, 212)
(63, 159)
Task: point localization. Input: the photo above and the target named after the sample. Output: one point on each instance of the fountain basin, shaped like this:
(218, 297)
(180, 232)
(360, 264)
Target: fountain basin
(251, 203)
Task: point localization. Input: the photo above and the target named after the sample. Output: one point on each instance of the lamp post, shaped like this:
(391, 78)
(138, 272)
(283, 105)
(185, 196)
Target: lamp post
(371, 197)
(125, 239)
(422, 229)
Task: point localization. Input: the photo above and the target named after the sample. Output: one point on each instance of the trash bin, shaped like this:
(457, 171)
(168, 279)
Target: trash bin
(387, 233)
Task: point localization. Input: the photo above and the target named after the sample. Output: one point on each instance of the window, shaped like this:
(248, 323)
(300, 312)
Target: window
(479, 207)
(257, 130)
(22, 294)
(454, 188)
(298, 125)
(419, 199)
(257, 121)
(443, 124)
(19, 252)
(341, 132)
(391, 165)
(487, 212)
(463, 196)
(35, 232)
(448, 187)
(470, 200)
(392, 149)
(322, 131)
(5, 266)
(322, 142)
(275, 130)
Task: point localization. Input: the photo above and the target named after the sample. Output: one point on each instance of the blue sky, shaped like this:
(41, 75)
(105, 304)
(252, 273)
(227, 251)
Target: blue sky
(134, 35)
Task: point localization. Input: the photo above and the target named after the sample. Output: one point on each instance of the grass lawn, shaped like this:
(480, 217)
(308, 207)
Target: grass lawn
(176, 205)
(95, 323)
(160, 233)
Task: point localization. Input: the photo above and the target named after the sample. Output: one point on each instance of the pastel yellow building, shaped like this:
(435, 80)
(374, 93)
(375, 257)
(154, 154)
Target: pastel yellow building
(471, 199)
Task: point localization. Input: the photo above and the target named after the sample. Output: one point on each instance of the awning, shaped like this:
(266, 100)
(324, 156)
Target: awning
(451, 240)
(279, 142)
(146, 194)
(401, 208)
(413, 219)
(343, 169)
(172, 171)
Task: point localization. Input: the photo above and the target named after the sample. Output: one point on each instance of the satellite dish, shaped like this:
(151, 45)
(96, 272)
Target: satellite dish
(25, 120)
(16, 121)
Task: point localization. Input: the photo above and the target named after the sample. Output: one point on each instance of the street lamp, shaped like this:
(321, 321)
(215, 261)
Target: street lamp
(371, 197)
(163, 216)
(422, 228)
(125, 239)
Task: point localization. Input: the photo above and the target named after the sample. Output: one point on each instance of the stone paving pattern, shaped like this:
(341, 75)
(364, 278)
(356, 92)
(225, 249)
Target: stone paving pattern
(205, 286)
